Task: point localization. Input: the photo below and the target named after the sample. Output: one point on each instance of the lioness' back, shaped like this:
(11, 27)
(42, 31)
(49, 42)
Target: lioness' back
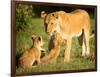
(74, 21)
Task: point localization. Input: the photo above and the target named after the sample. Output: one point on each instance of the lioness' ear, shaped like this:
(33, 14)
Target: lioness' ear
(56, 15)
(43, 14)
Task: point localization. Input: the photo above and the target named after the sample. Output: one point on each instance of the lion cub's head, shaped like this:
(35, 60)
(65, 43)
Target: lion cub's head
(33, 54)
(37, 41)
(51, 22)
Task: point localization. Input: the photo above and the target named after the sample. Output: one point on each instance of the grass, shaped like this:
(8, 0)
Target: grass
(23, 42)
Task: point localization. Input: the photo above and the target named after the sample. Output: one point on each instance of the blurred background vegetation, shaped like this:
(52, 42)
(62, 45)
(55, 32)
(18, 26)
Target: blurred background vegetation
(28, 21)
(25, 13)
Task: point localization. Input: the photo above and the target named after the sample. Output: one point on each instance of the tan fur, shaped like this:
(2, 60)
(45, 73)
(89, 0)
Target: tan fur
(68, 25)
(33, 54)
(57, 40)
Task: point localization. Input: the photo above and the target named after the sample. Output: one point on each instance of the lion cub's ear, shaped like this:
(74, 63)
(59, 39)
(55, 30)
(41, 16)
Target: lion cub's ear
(33, 36)
(43, 14)
(39, 38)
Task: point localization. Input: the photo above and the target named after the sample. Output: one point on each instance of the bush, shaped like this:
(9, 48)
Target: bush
(24, 15)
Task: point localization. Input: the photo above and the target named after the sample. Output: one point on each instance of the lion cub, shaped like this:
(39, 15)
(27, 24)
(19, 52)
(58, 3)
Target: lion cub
(33, 54)
(56, 41)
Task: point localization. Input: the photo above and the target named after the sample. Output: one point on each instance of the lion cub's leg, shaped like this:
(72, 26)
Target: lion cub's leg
(67, 50)
(38, 58)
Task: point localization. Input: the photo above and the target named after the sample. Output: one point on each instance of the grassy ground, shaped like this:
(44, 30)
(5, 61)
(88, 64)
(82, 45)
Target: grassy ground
(23, 41)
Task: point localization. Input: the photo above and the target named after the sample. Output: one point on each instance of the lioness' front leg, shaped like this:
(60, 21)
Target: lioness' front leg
(67, 50)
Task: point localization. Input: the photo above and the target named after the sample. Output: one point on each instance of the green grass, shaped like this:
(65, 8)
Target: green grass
(23, 42)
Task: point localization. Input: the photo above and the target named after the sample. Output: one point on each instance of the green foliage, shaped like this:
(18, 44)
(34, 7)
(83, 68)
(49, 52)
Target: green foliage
(23, 16)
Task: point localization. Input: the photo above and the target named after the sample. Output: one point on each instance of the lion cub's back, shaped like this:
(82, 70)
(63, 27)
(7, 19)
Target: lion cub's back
(28, 57)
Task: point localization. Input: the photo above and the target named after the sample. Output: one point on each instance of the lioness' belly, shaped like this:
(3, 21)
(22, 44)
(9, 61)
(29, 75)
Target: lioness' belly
(70, 35)
(76, 34)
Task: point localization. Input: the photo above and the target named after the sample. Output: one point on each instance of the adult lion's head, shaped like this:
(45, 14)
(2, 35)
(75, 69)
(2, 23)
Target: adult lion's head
(51, 22)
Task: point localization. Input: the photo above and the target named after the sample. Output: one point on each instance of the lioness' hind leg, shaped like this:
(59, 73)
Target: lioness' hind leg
(87, 34)
(83, 48)
(80, 38)
(87, 43)
(67, 50)
(82, 43)
(87, 37)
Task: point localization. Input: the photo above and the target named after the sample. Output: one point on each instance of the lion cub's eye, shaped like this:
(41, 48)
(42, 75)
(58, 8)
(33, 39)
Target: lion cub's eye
(51, 23)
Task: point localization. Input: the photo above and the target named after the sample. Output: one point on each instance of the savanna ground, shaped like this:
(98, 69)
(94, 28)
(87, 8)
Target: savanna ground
(23, 42)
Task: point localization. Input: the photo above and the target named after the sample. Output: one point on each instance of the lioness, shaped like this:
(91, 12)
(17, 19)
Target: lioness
(68, 25)
(33, 54)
